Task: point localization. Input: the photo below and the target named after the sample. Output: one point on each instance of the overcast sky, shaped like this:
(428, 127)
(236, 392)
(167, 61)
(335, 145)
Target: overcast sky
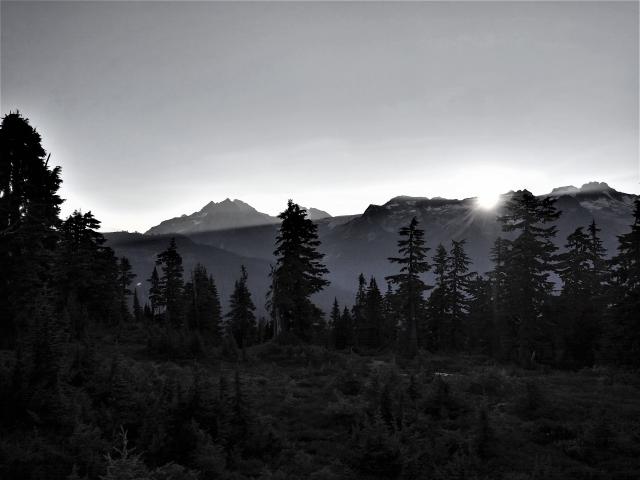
(154, 109)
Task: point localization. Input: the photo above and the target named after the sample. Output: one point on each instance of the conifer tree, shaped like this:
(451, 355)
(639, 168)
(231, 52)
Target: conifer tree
(203, 310)
(241, 317)
(171, 283)
(528, 264)
(438, 332)
(334, 322)
(342, 329)
(298, 273)
(480, 328)
(358, 312)
(622, 343)
(345, 330)
(505, 331)
(137, 309)
(155, 294)
(29, 209)
(125, 277)
(457, 279)
(334, 317)
(412, 261)
(146, 311)
(86, 270)
(374, 315)
(391, 317)
(578, 322)
(597, 258)
(573, 266)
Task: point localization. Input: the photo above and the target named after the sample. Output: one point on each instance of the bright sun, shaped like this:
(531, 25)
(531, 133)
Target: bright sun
(487, 201)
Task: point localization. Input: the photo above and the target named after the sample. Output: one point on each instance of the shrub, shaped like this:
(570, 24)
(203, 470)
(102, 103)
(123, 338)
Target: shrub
(439, 401)
(349, 381)
(529, 403)
(374, 451)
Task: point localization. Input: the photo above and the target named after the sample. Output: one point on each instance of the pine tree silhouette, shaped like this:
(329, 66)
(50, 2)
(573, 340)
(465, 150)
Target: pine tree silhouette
(155, 294)
(374, 314)
(203, 310)
(241, 318)
(171, 283)
(622, 343)
(528, 265)
(437, 335)
(86, 271)
(137, 309)
(457, 279)
(29, 208)
(125, 277)
(410, 286)
(580, 270)
(298, 273)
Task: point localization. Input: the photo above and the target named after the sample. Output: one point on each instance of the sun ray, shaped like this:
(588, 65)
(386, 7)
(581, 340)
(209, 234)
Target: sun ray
(488, 201)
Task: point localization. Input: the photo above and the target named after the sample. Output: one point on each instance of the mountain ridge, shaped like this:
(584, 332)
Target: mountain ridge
(361, 243)
(224, 215)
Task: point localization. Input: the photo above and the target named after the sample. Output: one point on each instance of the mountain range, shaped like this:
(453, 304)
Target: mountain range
(231, 233)
(226, 215)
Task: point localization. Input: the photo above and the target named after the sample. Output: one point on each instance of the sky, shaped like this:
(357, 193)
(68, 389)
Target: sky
(153, 109)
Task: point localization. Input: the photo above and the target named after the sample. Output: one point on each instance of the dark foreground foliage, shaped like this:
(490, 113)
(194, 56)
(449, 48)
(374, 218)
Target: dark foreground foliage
(300, 411)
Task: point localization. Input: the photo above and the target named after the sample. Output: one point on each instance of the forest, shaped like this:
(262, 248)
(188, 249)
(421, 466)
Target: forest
(529, 371)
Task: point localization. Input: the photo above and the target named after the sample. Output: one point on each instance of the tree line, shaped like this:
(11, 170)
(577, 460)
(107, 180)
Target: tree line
(515, 312)
(60, 273)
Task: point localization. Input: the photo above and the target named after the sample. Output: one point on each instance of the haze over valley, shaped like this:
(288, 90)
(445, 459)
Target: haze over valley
(225, 234)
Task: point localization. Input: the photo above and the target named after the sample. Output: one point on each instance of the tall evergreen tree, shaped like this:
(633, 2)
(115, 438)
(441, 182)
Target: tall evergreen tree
(597, 257)
(438, 325)
(374, 314)
(155, 293)
(528, 264)
(203, 310)
(573, 266)
(505, 332)
(125, 277)
(345, 330)
(171, 283)
(480, 328)
(86, 271)
(29, 209)
(334, 322)
(622, 343)
(241, 317)
(412, 261)
(457, 279)
(298, 273)
(578, 319)
(358, 311)
(391, 317)
(137, 309)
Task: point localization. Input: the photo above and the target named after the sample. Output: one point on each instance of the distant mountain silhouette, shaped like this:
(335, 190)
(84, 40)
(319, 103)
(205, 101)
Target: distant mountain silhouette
(316, 214)
(362, 243)
(225, 215)
(215, 216)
